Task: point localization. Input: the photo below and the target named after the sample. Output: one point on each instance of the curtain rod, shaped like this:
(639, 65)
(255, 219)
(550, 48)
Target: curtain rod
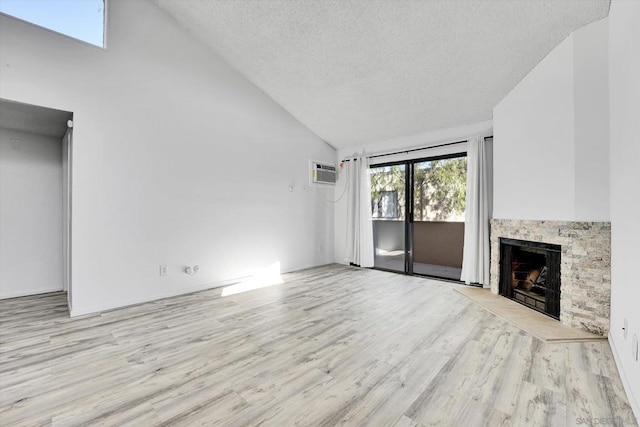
(416, 149)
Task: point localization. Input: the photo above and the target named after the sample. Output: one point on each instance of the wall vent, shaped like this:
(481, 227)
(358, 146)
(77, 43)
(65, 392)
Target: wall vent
(323, 173)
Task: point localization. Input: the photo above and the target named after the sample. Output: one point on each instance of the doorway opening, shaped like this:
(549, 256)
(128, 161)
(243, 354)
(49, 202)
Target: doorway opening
(418, 211)
(35, 199)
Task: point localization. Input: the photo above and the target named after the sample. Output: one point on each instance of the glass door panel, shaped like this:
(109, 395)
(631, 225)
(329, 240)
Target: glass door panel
(388, 208)
(439, 193)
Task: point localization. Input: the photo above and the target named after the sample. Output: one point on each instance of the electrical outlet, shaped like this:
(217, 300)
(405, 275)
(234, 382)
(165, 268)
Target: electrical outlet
(625, 329)
(163, 270)
(634, 347)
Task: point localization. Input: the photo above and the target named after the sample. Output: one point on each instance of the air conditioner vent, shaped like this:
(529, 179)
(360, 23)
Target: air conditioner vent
(323, 173)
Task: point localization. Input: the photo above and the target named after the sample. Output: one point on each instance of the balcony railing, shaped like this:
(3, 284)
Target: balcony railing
(437, 246)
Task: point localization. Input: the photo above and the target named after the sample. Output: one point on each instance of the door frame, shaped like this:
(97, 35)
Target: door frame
(67, 144)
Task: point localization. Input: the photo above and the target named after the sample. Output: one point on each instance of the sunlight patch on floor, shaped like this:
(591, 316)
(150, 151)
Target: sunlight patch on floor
(265, 277)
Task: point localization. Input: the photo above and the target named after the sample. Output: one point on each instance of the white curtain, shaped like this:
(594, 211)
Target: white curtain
(475, 258)
(359, 225)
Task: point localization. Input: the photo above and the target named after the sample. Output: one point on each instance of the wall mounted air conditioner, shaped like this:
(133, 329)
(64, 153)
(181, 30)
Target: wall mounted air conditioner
(323, 173)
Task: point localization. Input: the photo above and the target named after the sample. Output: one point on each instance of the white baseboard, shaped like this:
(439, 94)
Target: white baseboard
(127, 303)
(25, 293)
(635, 407)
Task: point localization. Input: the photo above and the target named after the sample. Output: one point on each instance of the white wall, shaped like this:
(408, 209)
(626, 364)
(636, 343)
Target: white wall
(534, 169)
(177, 159)
(382, 147)
(551, 135)
(591, 119)
(420, 140)
(624, 81)
(30, 214)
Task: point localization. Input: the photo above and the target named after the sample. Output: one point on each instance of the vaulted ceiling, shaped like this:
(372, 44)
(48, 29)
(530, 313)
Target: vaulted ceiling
(358, 71)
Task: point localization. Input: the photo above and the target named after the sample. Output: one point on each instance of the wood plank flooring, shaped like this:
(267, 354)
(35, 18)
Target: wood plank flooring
(331, 346)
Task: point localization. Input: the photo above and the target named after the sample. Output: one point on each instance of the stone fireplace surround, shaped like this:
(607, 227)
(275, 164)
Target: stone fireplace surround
(585, 266)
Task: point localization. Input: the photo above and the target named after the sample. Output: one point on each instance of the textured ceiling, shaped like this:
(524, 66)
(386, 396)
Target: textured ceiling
(360, 71)
(33, 119)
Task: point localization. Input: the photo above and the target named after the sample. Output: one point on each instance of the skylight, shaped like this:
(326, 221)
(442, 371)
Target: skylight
(80, 19)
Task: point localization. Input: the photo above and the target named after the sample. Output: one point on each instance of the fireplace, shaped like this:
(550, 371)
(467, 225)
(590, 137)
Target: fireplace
(530, 274)
(585, 269)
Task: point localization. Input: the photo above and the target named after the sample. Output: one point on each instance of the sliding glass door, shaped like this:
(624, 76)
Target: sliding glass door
(424, 235)
(388, 208)
(439, 190)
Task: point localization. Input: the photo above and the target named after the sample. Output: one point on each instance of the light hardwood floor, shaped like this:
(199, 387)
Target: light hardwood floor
(331, 346)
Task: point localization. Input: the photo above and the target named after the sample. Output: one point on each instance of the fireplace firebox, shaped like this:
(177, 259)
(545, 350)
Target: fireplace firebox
(530, 274)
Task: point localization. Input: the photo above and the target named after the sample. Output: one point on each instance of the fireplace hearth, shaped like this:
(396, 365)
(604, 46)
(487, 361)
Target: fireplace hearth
(530, 274)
